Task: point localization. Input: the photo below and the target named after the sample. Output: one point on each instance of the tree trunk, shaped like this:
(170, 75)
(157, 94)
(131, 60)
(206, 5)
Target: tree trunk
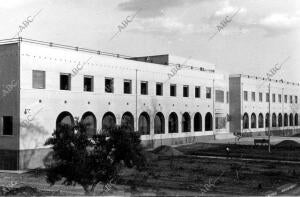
(88, 191)
(237, 175)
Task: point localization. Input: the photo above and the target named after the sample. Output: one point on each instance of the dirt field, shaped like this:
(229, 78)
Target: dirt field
(285, 150)
(178, 175)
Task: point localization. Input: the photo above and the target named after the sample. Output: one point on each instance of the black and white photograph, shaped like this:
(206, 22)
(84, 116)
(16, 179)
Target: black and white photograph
(149, 98)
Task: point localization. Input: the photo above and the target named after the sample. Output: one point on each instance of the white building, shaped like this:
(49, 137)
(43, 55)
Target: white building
(250, 106)
(44, 84)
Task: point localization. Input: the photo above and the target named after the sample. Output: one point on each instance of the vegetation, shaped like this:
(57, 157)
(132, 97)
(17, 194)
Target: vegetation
(87, 161)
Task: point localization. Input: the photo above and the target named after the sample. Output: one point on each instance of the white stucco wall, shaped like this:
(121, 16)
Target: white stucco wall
(56, 60)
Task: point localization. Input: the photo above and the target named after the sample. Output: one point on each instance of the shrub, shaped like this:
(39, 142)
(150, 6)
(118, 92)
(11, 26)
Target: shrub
(78, 159)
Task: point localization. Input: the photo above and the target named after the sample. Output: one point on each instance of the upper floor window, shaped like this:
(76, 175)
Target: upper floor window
(260, 97)
(220, 96)
(159, 89)
(109, 85)
(65, 81)
(267, 97)
(279, 98)
(38, 79)
(245, 96)
(285, 98)
(185, 91)
(88, 83)
(172, 90)
(273, 98)
(296, 99)
(144, 87)
(253, 96)
(7, 125)
(197, 92)
(291, 99)
(208, 92)
(127, 86)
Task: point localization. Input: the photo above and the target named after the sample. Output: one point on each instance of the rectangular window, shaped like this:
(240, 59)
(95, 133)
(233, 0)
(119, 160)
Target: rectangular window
(159, 89)
(291, 99)
(296, 99)
(109, 85)
(220, 122)
(144, 87)
(253, 96)
(38, 79)
(273, 98)
(88, 83)
(220, 96)
(185, 91)
(279, 98)
(65, 81)
(208, 92)
(197, 92)
(260, 97)
(127, 86)
(172, 90)
(267, 97)
(285, 98)
(245, 96)
(7, 127)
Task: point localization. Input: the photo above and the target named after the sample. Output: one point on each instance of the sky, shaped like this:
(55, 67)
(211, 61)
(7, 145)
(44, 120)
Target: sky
(238, 36)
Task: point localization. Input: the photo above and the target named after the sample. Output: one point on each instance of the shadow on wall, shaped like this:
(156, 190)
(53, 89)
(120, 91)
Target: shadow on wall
(32, 139)
(152, 110)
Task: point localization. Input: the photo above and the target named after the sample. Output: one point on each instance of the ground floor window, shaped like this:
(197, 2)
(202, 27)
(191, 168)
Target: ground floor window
(108, 120)
(7, 125)
(144, 124)
(173, 123)
(220, 122)
(208, 122)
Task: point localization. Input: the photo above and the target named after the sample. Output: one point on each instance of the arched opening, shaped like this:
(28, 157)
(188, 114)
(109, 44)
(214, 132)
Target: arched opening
(186, 123)
(208, 122)
(246, 121)
(159, 123)
(274, 119)
(90, 122)
(267, 120)
(286, 120)
(108, 120)
(128, 121)
(296, 120)
(64, 118)
(197, 122)
(279, 120)
(253, 120)
(291, 120)
(144, 124)
(173, 123)
(260, 121)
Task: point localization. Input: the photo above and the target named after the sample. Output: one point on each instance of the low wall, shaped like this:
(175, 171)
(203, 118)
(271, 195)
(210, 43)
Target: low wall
(176, 141)
(283, 133)
(34, 158)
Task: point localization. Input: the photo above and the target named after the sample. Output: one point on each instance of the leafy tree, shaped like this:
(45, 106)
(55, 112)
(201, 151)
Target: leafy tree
(79, 159)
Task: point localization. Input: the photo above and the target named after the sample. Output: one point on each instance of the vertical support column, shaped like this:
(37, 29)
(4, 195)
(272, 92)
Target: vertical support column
(136, 104)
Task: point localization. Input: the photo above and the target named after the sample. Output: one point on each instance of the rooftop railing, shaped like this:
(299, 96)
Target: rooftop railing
(51, 44)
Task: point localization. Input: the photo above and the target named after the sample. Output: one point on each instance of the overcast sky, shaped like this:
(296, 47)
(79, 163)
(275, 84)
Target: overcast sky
(261, 34)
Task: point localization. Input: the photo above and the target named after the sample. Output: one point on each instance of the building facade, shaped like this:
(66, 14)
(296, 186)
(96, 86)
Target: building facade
(259, 104)
(169, 100)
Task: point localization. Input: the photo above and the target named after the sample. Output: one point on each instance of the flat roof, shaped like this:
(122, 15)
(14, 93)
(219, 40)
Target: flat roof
(51, 44)
(263, 78)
